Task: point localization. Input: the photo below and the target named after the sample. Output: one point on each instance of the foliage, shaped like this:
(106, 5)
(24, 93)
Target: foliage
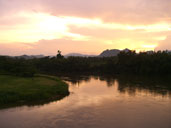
(59, 55)
(125, 62)
(14, 89)
(16, 66)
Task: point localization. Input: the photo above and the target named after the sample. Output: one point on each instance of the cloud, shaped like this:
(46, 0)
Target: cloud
(50, 47)
(122, 11)
(99, 24)
(165, 44)
(14, 48)
(118, 32)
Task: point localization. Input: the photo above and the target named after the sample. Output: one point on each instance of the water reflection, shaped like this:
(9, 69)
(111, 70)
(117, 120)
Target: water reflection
(130, 84)
(99, 102)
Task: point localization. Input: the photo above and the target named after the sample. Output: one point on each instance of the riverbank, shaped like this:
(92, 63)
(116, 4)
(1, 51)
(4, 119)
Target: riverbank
(24, 90)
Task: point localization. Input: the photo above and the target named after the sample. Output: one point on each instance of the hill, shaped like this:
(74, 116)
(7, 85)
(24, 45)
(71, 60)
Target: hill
(112, 52)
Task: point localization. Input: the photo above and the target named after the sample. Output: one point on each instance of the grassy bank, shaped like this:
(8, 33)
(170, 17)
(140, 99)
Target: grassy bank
(20, 90)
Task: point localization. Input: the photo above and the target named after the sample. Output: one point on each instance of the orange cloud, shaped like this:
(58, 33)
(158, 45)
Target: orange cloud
(122, 11)
(82, 26)
(50, 47)
(164, 44)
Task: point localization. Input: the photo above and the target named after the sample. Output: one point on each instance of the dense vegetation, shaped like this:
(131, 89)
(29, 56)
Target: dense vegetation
(21, 90)
(125, 62)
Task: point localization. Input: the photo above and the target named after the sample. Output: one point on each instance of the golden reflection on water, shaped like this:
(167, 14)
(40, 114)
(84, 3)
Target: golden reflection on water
(97, 102)
(93, 92)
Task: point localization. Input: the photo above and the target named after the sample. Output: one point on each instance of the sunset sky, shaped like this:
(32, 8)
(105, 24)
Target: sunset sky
(83, 26)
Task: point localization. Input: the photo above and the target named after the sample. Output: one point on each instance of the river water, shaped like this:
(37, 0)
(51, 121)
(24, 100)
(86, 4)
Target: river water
(99, 102)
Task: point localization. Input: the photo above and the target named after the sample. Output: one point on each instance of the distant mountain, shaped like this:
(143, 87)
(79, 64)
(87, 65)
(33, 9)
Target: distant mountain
(78, 55)
(108, 53)
(112, 52)
(30, 56)
(126, 50)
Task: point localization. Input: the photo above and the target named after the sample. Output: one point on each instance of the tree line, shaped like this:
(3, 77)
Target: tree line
(126, 62)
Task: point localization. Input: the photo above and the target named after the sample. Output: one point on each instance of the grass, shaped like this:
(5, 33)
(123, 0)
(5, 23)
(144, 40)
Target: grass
(16, 90)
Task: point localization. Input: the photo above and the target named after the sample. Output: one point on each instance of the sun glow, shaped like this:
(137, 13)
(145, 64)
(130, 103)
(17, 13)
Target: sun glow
(51, 26)
(42, 26)
(39, 26)
(149, 46)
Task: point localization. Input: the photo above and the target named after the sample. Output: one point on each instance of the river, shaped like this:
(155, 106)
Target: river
(99, 102)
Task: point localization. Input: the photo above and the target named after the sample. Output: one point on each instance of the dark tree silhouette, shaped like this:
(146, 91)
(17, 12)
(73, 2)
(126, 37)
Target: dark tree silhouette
(126, 62)
(59, 55)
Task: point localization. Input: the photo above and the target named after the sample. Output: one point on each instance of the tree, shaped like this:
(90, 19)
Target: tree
(59, 55)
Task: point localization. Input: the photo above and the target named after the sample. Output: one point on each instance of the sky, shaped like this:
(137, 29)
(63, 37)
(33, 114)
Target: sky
(83, 26)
